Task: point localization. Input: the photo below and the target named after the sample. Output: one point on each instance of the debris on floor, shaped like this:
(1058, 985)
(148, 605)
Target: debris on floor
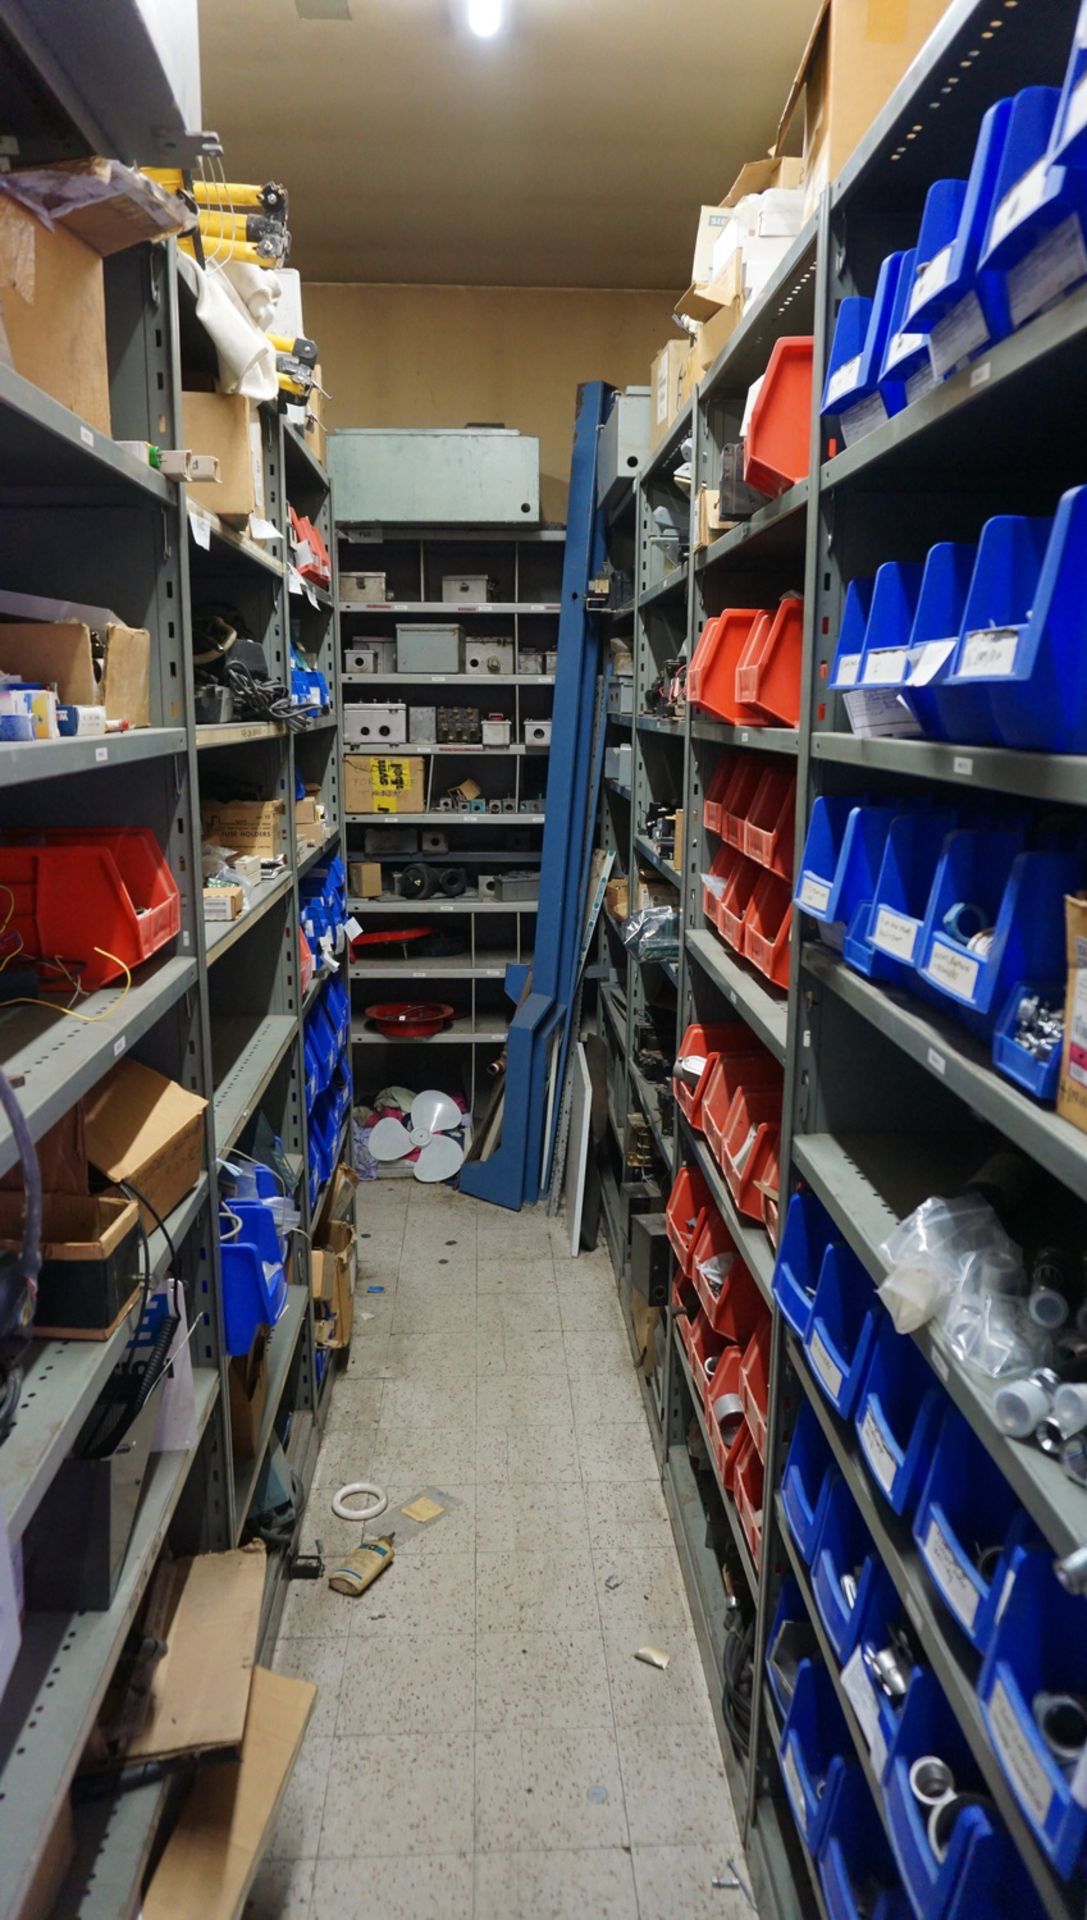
(360, 1568)
(653, 1657)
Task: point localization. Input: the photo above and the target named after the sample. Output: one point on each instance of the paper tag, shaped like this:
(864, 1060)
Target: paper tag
(101, 754)
(953, 968)
(814, 893)
(352, 928)
(931, 278)
(989, 654)
(959, 1592)
(792, 1781)
(887, 667)
(823, 1362)
(262, 529)
(928, 659)
(859, 421)
(842, 381)
(294, 580)
(902, 345)
(10, 1630)
(959, 334)
(981, 374)
(1019, 202)
(119, 1045)
(876, 1451)
(859, 1692)
(963, 765)
(921, 380)
(1018, 1757)
(881, 714)
(86, 436)
(1047, 271)
(936, 1061)
(847, 670)
(200, 527)
(895, 933)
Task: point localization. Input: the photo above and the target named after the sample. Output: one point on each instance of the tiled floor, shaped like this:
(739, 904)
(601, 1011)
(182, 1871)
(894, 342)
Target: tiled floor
(484, 1743)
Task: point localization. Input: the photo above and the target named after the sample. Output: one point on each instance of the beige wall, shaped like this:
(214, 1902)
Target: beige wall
(440, 356)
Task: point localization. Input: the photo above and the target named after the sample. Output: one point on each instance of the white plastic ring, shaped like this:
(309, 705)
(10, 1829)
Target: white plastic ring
(344, 1512)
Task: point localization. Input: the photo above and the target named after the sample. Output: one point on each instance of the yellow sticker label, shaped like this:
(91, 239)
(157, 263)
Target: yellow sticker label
(422, 1510)
(389, 776)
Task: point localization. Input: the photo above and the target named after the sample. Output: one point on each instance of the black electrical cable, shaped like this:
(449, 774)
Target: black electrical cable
(262, 699)
(133, 1192)
(739, 1672)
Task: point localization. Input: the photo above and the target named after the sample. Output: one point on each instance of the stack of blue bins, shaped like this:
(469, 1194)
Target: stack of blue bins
(253, 1246)
(327, 1026)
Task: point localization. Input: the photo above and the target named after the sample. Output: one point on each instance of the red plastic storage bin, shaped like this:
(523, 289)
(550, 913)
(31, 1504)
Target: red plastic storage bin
(707, 1041)
(737, 1309)
(711, 679)
(684, 1304)
(705, 1350)
(769, 1185)
(767, 926)
(685, 1214)
(724, 1417)
(747, 1490)
(755, 1382)
(768, 671)
(777, 450)
(735, 900)
(754, 1067)
(715, 793)
(770, 822)
(751, 1133)
(100, 900)
(742, 789)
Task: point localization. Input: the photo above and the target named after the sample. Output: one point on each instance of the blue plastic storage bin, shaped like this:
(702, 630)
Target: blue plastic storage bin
(934, 637)
(841, 856)
(973, 870)
(846, 371)
(843, 1327)
(1035, 236)
(808, 1232)
(1003, 590)
(809, 1474)
(899, 1409)
(789, 1612)
(1069, 141)
(1028, 939)
(854, 390)
(911, 854)
(1039, 1646)
(814, 1743)
(954, 301)
(928, 1726)
(1040, 1078)
(907, 363)
(885, 659)
(965, 1508)
(882, 1624)
(843, 1548)
(1039, 698)
(845, 668)
(254, 1280)
(857, 1869)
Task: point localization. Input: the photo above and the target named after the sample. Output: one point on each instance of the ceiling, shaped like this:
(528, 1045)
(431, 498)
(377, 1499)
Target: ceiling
(572, 151)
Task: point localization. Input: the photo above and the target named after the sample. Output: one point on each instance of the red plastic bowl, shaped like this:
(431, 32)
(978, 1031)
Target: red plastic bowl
(410, 1019)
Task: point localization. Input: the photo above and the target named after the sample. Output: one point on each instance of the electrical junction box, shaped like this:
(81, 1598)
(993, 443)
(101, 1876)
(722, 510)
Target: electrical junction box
(487, 886)
(421, 649)
(371, 656)
(458, 726)
(374, 723)
(619, 763)
(537, 733)
(530, 660)
(624, 444)
(434, 840)
(488, 656)
(363, 589)
(651, 1258)
(463, 476)
(551, 662)
(621, 695)
(465, 590)
(496, 732)
(422, 725)
(517, 886)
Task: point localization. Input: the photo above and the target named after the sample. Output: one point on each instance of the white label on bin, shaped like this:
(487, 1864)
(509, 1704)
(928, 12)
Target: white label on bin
(951, 967)
(980, 374)
(829, 1373)
(880, 713)
(848, 669)
(931, 278)
(1076, 118)
(902, 345)
(876, 1451)
(1047, 271)
(352, 928)
(843, 380)
(792, 1781)
(1005, 1594)
(927, 661)
(814, 893)
(989, 653)
(922, 379)
(936, 1061)
(1018, 1758)
(959, 334)
(858, 1691)
(1019, 202)
(963, 766)
(944, 1565)
(895, 933)
(888, 666)
(859, 421)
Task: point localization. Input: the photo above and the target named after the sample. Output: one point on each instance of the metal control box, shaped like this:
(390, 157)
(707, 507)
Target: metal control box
(619, 763)
(428, 649)
(624, 444)
(422, 725)
(621, 695)
(537, 733)
(496, 731)
(370, 656)
(488, 656)
(465, 590)
(464, 476)
(375, 723)
(363, 589)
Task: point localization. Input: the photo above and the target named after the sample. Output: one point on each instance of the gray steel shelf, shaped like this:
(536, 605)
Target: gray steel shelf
(64, 1667)
(114, 1841)
(749, 1570)
(440, 968)
(233, 541)
(464, 748)
(246, 1052)
(669, 727)
(301, 454)
(647, 852)
(45, 445)
(317, 854)
(772, 1843)
(282, 1347)
(447, 680)
(765, 530)
(463, 1031)
(649, 1101)
(669, 446)
(219, 935)
(1060, 778)
(618, 1020)
(671, 586)
(448, 610)
(55, 1061)
(852, 1175)
(464, 902)
(765, 1013)
(752, 1240)
(946, 1649)
(29, 761)
(617, 787)
(951, 1055)
(788, 297)
(238, 733)
(443, 819)
(753, 739)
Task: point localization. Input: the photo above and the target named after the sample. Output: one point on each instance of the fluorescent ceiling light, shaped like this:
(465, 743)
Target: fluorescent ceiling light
(485, 17)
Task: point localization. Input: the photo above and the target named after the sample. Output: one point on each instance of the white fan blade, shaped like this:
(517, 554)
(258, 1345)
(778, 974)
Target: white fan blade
(436, 1112)
(440, 1161)
(390, 1140)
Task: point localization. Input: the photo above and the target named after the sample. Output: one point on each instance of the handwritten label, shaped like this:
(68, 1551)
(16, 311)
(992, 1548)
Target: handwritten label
(989, 653)
(887, 667)
(877, 713)
(843, 381)
(1019, 203)
(959, 334)
(954, 969)
(1018, 1758)
(937, 1062)
(902, 345)
(928, 659)
(931, 278)
(86, 436)
(847, 670)
(814, 893)
(1047, 271)
(876, 1451)
(944, 1565)
(861, 1696)
(895, 933)
(825, 1365)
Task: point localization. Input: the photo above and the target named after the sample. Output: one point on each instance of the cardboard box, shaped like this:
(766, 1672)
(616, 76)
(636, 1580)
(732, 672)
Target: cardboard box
(315, 430)
(711, 224)
(223, 904)
(383, 783)
(142, 1127)
(310, 823)
(53, 308)
(714, 335)
(617, 897)
(653, 891)
(703, 297)
(690, 375)
(664, 379)
(334, 1269)
(1072, 1091)
(708, 522)
(857, 52)
(219, 424)
(341, 1193)
(106, 204)
(245, 826)
(364, 879)
(90, 1262)
(209, 1607)
(646, 1321)
(64, 651)
(247, 1376)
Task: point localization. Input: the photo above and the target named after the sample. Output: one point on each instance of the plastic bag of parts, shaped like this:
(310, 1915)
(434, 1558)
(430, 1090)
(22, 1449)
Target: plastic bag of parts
(941, 1247)
(715, 1271)
(995, 1335)
(715, 883)
(653, 934)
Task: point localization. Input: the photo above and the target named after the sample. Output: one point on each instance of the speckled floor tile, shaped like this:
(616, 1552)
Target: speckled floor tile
(608, 1397)
(410, 1886)
(311, 1608)
(627, 1517)
(536, 1394)
(679, 1880)
(454, 1532)
(421, 1593)
(281, 1890)
(638, 1586)
(297, 1830)
(399, 1793)
(516, 1591)
(306, 1658)
(539, 1452)
(439, 1399)
(644, 1696)
(598, 1355)
(401, 1683)
(594, 1882)
(355, 1406)
(675, 1787)
(521, 1313)
(584, 1308)
(515, 1276)
(617, 1450)
(527, 1680)
(547, 1789)
(404, 1452)
(514, 1519)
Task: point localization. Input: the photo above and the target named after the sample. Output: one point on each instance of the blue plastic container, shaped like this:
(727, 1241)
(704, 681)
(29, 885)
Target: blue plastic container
(928, 298)
(1069, 142)
(790, 1610)
(1039, 699)
(1035, 236)
(885, 659)
(857, 1870)
(844, 1549)
(882, 1621)
(809, 1474)
(843, 1327)
(1038, 1646)
(899, 1409)
(846, 371)
(973, 869)
(853, 391)
(1003, 590)
(809, 1231)
(846, 666)
(928, 1726)
(934, 637)
(814, 1743)
(254, 1280)
(841, 856)
(955, 301)
(1040, 1078)
(967, 1505)
(1028, 940)
(907, 363)
(911, 854)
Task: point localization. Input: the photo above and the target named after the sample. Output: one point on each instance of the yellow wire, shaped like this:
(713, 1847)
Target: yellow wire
(21, 1000)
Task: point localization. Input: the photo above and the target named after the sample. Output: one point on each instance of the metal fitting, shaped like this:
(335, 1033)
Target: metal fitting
(941, 1821)
(1072, 1570)
(931, 1780)
(1062, 1723)
(987, 1562)
(1074, 1458)
(1049, 1436)
(886, 1670)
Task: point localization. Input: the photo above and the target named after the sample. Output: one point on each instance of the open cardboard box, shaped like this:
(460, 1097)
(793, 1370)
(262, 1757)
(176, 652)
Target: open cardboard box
(146, 1129)
(246, 826)
(705, 295)
(90, 1261)
(94, 659)
(222, 424)
(53, 310)
(383, 783)
(248, 1383)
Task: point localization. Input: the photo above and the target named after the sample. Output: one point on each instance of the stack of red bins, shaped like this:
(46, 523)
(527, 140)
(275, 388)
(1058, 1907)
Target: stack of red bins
(724, 1325)
(747, 894)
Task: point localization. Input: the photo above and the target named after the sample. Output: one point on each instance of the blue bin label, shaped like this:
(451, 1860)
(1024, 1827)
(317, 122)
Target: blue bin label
(861, 1696)
(814, 893)
(843, 381)
(1018, 1758)
(1076, 117)
(989, 653)
(848, 668)
(876, 1451)
(943, 1562)
(1019, 202)
(953, 968)
(1048, 270)
(895, 933)
(829, 1372)
(863, 419)
(959, 334)
(931, 278)
(887, 666)
(902, 346)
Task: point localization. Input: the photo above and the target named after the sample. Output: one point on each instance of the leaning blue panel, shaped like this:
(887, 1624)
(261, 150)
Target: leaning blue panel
(1003, 590)
(957, 305)
(1035, 240)
(907, 363)
(853, 388)
(934, 636)
(1039, 700)
(1069, 145)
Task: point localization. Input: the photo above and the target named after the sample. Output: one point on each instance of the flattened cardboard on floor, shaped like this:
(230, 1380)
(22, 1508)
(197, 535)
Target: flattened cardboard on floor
(212, 1856)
